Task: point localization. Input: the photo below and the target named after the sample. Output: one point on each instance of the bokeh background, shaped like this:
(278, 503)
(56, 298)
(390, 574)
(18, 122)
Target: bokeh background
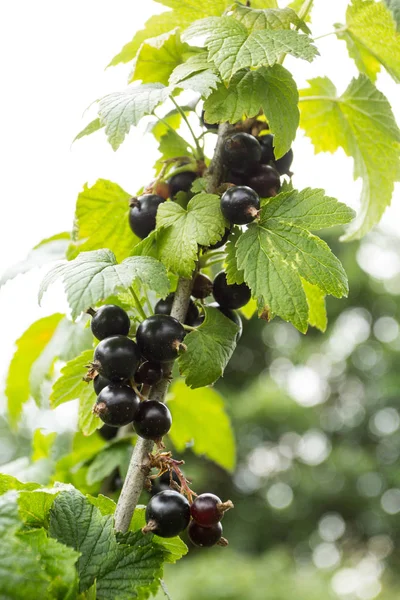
(317, 486)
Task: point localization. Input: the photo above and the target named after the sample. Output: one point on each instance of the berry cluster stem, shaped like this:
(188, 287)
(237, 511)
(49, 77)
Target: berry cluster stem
(139, 467)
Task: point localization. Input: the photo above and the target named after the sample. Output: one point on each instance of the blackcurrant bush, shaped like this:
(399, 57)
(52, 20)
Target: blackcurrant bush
(117, 357)
(167, 514)
(159, 338)
(204, 536)
(265, 181)
(232, 315)
(164, 307)
(99, 383)
(205, 510)
(283, 164)
(149, 373)
(107, 432)
(209, 126)
(241, 152)
(143, 212)
(240, 205)
(152, 420)
(202, 287)
(230, 296)
(181, 182)
(110, 320)
(116, 405)
(163, 482)
(221, 242)
(267, 148)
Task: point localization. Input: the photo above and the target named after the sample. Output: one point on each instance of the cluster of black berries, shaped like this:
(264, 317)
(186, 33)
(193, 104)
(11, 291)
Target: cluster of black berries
(168, 513)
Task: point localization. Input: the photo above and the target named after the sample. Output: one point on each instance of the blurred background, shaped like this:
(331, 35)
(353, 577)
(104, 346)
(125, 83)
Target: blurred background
(317, 485)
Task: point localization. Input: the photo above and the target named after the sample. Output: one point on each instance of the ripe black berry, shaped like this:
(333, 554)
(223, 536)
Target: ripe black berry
(107, 432)
(232, 315)
(283, 164)
(204, 536)
(110, 320)
(209, 126)
(117, 357)
(230, 296)
(267, 148)
(221, 242)
(99, 383)
(116, 405)
(159, 338)
(202, 287)
(143, 212)
(241, 152)
(167, 514)
(164, 307)
(265, 181)
(240, 205)
(149, 373)
(152, 420)
(181, 182)
(206, 510)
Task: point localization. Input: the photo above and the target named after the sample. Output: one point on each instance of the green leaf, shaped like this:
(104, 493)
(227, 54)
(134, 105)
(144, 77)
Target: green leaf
(317, 316)
(105, 505)
(209, 349)
(93, 276)
(46, 251)
(296, 5)
(394, 7)
(278, 250)
(362, 123)
(268, 18)
(183, 230)
(233, 274)
(7, 482)
(88, 422)
(196, 74)
(271, 89)
(42, 444)
(122, 110)
(9, 519)
(371, 38)
(101, 221)
(107, 461)
(200, 421)
(34, 506)
(171, 146)
(70, 385)
(232, 47)
(29, 347)
(93, 126)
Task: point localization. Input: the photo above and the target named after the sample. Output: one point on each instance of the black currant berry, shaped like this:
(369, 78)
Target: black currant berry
(117, 357)
(267, 148)
(108, 433)
(110, 320)
(181, 182)
(230, 296)
(204, 536)
(202, 287)
(143, 212)
(236, 178)
(240, 205)
(164, 307)
(209, 126)
(99, 383)
(167, 514)
(283, 164)
(241, 153)
(159, 338)
(152, 420)
(149, 373)
(116, 405)
(163, 482)
(207, 510)
(265, 181)
(232, 315)
(221, 242)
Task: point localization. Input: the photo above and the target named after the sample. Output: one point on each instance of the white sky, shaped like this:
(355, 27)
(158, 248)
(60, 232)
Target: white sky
(53, 56)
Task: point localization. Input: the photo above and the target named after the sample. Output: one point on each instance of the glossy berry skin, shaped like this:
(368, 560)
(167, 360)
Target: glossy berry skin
(204, 537)
(152, 420)
(107, 432)
(240, 204)
(164, 307)
(221, 242)
(267, 148)
(117, 405)
(99, 383)
(149, 373)
(170, 512)
(181, 182)
(283, 164)
(204, 510)
(143, 212)
(202, 287)
(230, 296)
(117, 357)
(265, 181)
(110, 320)
(232, 315)
(241, 153)
(159, 337)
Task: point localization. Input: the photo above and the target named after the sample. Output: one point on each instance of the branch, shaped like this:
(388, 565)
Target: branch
(139, 467)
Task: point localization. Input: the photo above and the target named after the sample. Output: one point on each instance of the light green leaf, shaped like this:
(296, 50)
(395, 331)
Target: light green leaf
(70, 385)
(120, 111)
(362, 123)
(29, 347)
(88, 422)
(107, 461)
(34, 507)
(9, 519)
(297, 5)
(182, 230)
(317, 316)
(93, 126)
(200, 422)
(93, 276)
(7, 482)
(271, 89)
(42, 444)
(101, 221)
(233, 274)
(268, 18)
(394, 7)
(232, 47)
(196, 74)
(171, 146)
(371, 37)
(105, 505)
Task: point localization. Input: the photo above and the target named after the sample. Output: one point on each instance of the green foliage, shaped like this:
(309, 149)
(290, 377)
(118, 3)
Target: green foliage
(394, 6)
(93, 126)
(268, 18)
(196, 74)
(200, 422)
(315, 297)
(362, 123)
(42, 444)
(110, 458)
